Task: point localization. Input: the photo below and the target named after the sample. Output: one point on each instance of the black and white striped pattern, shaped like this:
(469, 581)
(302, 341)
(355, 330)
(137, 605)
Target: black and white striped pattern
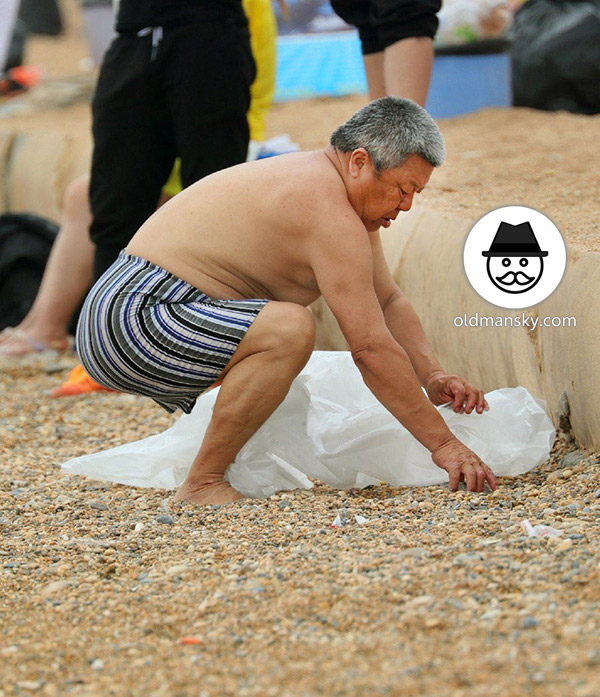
(145, 331)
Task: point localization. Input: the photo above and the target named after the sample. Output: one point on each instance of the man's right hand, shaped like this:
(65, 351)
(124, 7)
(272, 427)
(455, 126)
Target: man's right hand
(463, 465)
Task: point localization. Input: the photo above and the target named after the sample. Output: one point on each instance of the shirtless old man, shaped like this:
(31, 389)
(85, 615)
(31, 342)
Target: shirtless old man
(216, 284)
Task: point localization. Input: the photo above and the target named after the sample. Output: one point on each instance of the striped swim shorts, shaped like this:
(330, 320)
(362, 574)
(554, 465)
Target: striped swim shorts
(145, 331)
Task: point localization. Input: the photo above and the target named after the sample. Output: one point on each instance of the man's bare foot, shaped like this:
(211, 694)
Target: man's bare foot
(206, 494)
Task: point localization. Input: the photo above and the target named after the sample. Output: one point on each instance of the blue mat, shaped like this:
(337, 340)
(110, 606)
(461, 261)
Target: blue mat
(319, 65)
(330, 65)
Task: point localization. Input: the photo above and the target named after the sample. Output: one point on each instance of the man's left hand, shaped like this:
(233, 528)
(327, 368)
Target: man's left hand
(442, 388)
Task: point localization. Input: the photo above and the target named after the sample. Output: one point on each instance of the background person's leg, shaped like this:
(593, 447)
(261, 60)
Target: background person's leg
(407, 68)
(405, 29)
(358, 13)
(209, 77)
(256, 381)
(134, 148)
(67, 277)
(373, 63)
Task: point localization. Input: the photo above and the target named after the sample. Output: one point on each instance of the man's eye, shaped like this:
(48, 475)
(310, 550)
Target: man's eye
(402, 191)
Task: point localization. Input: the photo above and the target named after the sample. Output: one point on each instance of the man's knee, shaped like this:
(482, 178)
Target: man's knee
(287, 329)
(295, 331)
(76, 199)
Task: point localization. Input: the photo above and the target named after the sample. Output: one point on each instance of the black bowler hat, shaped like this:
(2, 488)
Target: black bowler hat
(515, 241)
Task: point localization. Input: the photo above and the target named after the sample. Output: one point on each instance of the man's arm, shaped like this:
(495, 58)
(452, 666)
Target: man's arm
(344, 271)
(400, 317)
(343, 266)
(405, 326)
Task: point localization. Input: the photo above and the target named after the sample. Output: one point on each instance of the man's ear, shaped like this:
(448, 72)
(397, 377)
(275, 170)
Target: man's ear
(358, 159)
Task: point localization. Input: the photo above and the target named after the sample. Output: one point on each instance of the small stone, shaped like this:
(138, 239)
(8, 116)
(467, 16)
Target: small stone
(433, 622)
(490, 615)
(97, 664)
(98, 506)
(553, 477)
(176, 570)
(29, 685)
(417, 552)
(166, 519)
(573, 458)
(465, 558)
(538, 677)
(597, 494)
(284, 504)
(258, 589)
(52, 368)
(530, 622)
(138, 527)
(54, 586)
(567, 474)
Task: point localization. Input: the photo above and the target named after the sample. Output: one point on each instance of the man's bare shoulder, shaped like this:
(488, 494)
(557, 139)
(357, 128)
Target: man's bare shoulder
(315, 192)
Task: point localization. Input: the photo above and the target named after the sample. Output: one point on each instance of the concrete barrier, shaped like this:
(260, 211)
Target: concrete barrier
(6, 142)
(424, 251)
(36, 168)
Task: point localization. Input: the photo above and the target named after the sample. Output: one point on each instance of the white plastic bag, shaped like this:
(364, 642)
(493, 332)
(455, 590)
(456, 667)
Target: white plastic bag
(331, 427)
(464, 21)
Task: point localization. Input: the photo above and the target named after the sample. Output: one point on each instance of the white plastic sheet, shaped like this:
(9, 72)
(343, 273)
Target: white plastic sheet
(331, 427)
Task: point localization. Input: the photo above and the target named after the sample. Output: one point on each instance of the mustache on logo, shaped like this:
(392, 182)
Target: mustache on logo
(510, 278)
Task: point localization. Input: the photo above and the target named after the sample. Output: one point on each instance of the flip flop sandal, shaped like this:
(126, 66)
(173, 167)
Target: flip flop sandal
(27, 346)
(5, 333)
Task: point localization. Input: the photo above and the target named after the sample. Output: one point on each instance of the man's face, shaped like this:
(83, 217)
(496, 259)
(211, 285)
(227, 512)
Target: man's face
(515, 274)
(379, 198)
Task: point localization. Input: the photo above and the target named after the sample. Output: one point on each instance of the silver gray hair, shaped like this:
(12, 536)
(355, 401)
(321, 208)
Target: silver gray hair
(390, 129)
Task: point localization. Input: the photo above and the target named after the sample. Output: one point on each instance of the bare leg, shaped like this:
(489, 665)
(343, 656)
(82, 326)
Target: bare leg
(255, 382)
(67, 276)
(407, 68)
(373, 63)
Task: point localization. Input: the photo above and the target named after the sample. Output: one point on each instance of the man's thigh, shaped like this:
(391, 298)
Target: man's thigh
(280, 326)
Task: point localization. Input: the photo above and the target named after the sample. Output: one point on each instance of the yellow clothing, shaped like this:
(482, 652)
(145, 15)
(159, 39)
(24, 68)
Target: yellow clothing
(263, 32)
(173, 185)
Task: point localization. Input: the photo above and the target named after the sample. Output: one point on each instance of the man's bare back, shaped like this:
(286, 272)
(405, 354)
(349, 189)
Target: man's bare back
(244, 232)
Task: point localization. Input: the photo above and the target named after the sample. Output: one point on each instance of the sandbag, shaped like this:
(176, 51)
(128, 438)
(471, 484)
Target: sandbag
(332, 428)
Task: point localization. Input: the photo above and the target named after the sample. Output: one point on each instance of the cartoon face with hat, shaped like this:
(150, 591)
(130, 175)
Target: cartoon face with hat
(514, 260)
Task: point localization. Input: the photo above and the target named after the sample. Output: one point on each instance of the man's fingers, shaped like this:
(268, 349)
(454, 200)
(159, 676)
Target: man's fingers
(480, 402)
(459, 396)
(454, 477)
(491, 478)
(481, 476)
(472, 400)
(471, 477)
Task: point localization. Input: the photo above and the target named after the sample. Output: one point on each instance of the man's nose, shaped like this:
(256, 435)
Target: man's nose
(406, 202)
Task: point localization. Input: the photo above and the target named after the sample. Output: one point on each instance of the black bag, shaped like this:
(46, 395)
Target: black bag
(556, 55)
(25, 244)
(41, 17)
